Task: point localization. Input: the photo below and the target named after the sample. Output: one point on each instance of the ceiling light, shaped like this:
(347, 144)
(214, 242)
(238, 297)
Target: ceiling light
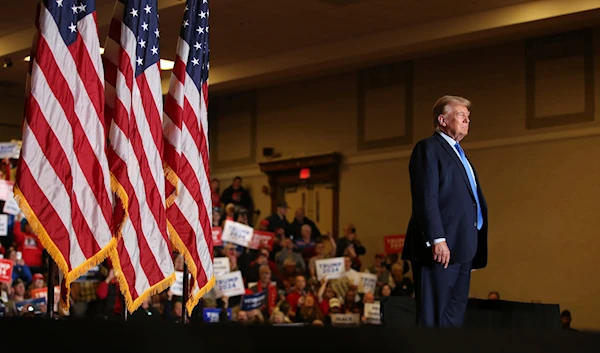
(166, 65)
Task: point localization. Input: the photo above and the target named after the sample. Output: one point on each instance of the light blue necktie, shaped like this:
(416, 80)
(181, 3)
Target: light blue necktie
(463, 158)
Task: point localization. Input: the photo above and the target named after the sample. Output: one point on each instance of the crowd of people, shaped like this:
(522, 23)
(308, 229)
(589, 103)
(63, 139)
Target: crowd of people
(285, 272)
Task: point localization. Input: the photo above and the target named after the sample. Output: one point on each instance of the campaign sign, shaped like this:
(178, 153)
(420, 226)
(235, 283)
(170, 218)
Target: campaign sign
(37, 306)
(253, 301)
(237, 233)
(212, 314)
(262, 239)
(6, 269)
(9, 150)
(366, 282)
(229, 285)
(43, 293)
(177, 286)
(330, 268)
(372, 313)
(6, 189)
(394, 243)
(345, 319)
(217, 233)
(221, 266)
(11, 206)
(3, 225)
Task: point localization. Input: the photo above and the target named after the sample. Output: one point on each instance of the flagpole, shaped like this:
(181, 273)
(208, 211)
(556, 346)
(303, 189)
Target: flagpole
(124, 306)
(50, 285)
(184, 313)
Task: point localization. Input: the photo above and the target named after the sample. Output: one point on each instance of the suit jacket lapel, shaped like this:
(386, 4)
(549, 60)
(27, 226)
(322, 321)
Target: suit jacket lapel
(455, 158)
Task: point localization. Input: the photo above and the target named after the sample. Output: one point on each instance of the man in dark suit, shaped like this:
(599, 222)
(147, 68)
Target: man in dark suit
(447, 232)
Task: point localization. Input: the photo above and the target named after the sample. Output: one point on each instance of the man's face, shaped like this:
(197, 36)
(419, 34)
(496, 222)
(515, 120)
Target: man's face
(456, 122)
(300, 283)
(319, 249)
(265, 274)
(237, 183)
(347, 263)
(242, 316)
(299, 214)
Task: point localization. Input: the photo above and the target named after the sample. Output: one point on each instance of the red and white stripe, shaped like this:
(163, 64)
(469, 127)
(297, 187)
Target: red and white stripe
(189, 209)
(63, 181)
(134, 106)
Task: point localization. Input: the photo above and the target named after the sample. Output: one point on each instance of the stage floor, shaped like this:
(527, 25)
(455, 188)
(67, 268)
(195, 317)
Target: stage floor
(29, 334)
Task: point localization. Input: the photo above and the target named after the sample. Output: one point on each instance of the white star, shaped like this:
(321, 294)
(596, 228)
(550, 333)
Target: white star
(197, 46)
(142, 43)
(207, 13)
(186, 8)
(59, 3)
(195, 61)
(145, 26)
(154, 50)
(75, 8)
(72, 27)
(204, 1)
(147, 8)
(157, 32)
(206, 29)
(82, 7)
(200, 30)
(186, 23)
(140, 61)
(134, 12)
(202, 14)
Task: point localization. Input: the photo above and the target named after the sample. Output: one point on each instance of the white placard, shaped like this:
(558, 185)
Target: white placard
(9, 150)
(229, 285)
(237, 233)
(372, 313)
(345, 319)
(332, 268)
(3, 225)
(221, 266)
(366, 282)
(177, 286)
(6, 189)
(11, 206)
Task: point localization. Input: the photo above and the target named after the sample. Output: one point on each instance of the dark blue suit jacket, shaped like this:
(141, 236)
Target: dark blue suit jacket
(443, 206)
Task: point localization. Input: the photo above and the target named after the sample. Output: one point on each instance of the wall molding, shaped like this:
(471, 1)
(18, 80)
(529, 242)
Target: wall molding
(365, 158)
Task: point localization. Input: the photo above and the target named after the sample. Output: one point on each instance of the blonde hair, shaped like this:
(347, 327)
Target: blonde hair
(442, 106)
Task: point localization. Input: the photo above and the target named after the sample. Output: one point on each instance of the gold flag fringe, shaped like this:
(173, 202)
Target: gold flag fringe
(54, 252)
(182, 249)
(172, 178)
(133, 305)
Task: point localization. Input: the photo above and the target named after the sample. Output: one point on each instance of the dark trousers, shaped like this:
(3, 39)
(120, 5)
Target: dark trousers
(441, 294)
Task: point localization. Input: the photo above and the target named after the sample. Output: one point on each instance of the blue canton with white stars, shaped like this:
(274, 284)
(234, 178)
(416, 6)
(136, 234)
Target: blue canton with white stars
(141, 16)
(194, 30)
(67, 13)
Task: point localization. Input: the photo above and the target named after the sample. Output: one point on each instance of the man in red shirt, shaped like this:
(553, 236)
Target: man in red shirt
(296, 298)
(29, 245)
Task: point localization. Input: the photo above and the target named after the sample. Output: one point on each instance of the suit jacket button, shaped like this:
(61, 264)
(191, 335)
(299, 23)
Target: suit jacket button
(474, 204)
(475, 224)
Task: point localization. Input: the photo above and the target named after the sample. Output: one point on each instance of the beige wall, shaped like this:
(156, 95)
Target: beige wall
(541, 184)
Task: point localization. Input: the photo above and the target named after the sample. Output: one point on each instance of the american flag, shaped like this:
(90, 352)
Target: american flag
(189, 205)
(63, 181)
(143, 260)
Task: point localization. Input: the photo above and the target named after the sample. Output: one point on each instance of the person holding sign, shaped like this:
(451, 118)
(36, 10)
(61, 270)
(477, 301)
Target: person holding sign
(447, 232)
